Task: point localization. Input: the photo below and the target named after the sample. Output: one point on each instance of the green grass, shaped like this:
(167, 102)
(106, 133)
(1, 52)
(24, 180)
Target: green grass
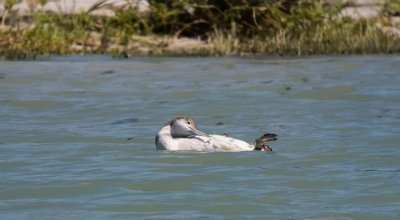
(299, 27)
(355, 37)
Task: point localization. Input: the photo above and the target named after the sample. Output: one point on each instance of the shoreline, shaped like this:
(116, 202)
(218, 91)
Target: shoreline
(133, 29)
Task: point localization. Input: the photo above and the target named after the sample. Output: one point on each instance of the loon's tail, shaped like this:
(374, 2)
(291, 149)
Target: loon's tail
(261, 142)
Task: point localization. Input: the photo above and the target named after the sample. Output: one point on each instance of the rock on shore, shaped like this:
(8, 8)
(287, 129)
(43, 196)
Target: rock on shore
(75, 6)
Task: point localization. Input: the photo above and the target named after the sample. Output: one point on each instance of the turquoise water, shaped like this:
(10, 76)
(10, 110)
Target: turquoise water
(77, 138)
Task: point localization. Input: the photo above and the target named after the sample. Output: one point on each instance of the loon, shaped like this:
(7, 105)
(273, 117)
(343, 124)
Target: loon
(181, 134)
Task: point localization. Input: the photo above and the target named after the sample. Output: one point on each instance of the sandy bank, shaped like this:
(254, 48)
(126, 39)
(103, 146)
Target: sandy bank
(354, 9)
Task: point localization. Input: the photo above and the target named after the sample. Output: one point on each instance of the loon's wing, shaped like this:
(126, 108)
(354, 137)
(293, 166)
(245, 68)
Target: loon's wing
(224, 143)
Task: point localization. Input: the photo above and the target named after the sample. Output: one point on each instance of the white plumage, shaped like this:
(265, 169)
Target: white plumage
(181, 134)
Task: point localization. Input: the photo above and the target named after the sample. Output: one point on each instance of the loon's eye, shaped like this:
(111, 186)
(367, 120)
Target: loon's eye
(189, 122)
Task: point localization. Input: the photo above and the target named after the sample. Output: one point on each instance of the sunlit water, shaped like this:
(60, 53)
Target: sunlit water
(77, 138)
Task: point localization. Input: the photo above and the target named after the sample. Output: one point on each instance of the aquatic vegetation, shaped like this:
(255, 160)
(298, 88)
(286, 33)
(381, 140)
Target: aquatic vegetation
(221, 27)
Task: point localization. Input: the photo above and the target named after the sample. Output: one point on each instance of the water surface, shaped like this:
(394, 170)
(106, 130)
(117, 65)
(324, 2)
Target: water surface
(77, 138)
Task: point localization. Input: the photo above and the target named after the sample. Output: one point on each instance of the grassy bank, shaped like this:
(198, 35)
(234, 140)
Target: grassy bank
(218, 28)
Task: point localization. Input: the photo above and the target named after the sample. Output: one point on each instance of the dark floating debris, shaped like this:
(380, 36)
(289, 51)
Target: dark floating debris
(129, 139)
(305, 79)
(107, 72)
(267, 81)
(220, 123)
(125, 121)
